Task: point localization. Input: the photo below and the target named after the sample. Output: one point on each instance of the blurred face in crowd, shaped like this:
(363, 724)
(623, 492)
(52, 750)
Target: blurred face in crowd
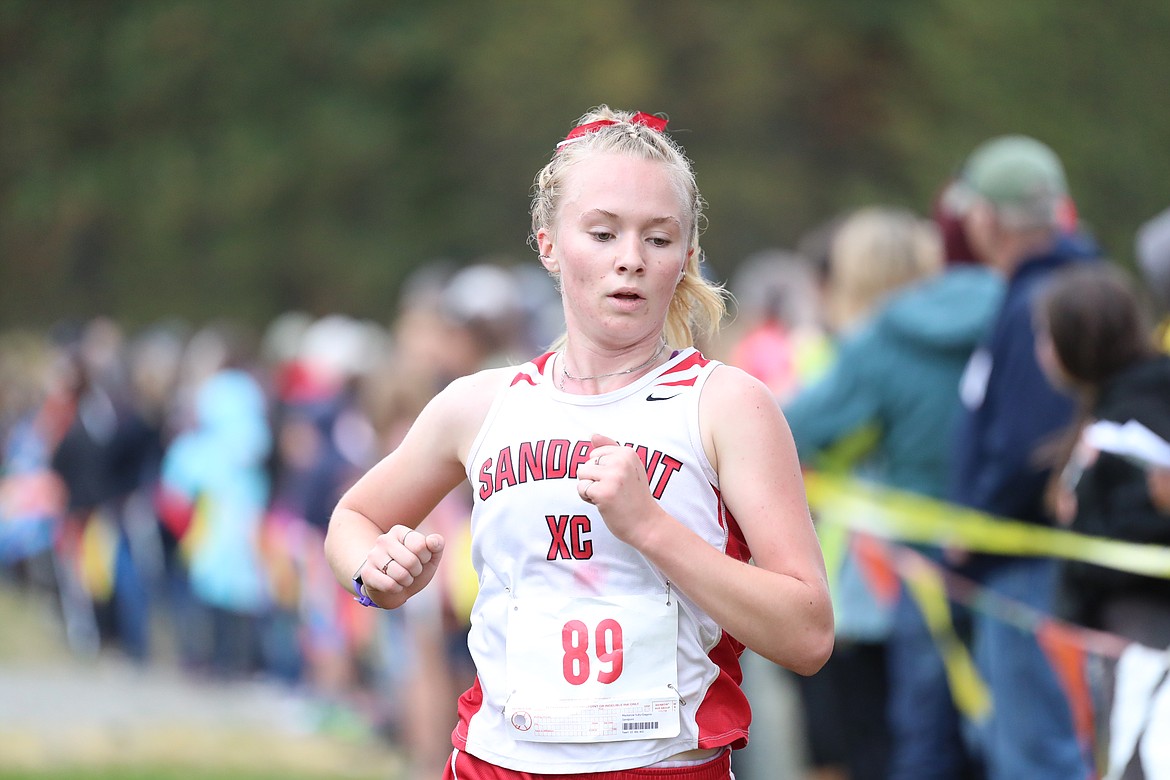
(982, 228)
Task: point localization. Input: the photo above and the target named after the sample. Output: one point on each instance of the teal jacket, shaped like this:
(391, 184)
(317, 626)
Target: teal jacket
(899, 373)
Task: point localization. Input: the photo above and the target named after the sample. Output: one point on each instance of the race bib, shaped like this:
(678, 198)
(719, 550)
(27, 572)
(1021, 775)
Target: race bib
(592, 669)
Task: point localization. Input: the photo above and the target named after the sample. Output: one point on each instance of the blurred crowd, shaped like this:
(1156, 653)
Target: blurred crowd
(167, 491)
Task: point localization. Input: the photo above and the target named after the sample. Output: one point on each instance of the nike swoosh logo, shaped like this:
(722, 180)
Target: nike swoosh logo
(653, 397)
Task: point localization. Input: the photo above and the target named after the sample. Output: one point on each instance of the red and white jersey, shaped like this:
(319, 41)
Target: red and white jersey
(576, 638)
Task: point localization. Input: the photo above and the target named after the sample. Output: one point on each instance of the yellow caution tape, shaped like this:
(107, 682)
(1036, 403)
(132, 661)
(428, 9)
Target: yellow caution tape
(899, 515)
(969, 691)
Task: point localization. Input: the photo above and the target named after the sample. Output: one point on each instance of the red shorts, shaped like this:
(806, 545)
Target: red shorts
(464, 766)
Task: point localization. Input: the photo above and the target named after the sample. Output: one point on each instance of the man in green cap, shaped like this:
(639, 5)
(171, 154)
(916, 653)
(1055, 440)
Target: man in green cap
(1012, 195)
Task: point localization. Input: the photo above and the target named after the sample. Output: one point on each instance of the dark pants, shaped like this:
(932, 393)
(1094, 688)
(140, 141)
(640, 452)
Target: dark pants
(926, 733)
(844, 709)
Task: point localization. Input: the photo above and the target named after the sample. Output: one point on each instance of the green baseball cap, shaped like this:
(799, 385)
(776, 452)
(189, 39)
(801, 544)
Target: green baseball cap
(1022, 177)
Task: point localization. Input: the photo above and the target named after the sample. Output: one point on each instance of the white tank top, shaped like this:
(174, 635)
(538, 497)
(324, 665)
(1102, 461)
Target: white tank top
(608, 667)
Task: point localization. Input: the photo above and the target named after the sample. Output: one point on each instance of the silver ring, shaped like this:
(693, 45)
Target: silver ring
(386, 565)
(585, 495)
(597, 460)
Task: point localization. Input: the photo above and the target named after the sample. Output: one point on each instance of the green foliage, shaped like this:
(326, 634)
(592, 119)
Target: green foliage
(207, 158)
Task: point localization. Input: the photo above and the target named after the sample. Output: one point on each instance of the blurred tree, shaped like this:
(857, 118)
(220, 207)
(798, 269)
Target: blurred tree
(207, 158)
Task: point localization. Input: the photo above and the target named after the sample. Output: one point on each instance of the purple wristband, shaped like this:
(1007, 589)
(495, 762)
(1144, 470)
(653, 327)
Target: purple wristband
(361, 596)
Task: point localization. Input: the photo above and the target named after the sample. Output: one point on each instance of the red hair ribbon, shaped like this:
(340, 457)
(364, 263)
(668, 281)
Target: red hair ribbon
(641, 118)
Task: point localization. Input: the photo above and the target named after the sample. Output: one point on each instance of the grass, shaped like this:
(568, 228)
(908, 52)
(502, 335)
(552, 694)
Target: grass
(164, 754)
(165, 748)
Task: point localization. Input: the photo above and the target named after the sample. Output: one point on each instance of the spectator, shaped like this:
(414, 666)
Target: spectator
(906, 334)
(928, 737)
(102, 459)
(1013, 197)
(1153, 256)
(322, 441)
(215, 493)
(34, 413)
(1092, 339)
(778, 337)
(1153, 260)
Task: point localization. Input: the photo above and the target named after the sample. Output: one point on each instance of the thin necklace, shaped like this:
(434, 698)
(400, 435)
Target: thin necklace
(566, 375)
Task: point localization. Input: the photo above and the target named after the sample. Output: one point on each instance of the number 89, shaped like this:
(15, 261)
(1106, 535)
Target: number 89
(607, 644)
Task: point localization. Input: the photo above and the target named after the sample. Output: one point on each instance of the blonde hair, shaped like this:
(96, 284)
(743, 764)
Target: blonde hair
(874, 252)
(698, 306)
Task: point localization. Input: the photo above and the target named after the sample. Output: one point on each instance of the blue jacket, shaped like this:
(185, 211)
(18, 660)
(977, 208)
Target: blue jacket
(1013, 417)
(900, 372)
(220, 467)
